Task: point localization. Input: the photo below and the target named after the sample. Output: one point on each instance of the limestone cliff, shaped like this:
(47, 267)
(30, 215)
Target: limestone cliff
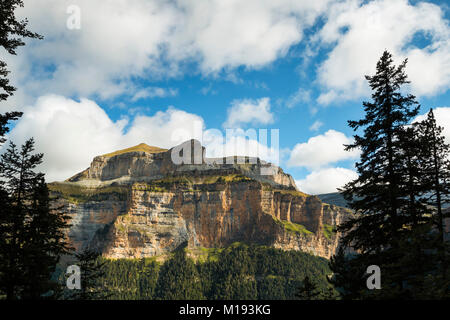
(138, 203)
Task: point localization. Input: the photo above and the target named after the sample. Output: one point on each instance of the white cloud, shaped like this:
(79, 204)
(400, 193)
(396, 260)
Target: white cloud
(232, 33)
(121, 41)
(316, 125)
(117, 40)
(326, 180)
(104, 58)
(301, 95)
(69, 133)
(322, 150)
(442, 116)
(165, 128)
(152, 92)
(249, 111)
(360, 31)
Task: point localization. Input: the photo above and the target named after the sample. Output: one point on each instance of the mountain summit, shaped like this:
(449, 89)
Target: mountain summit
(142, 147)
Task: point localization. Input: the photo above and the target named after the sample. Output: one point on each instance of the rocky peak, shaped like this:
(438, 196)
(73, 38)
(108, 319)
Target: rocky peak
(145, 163)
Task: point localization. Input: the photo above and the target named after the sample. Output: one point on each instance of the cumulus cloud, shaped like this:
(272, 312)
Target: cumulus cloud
(104, 58)
(249, 111)
(117, 40)
(442, 116)
(69, 133)
(359, 31)
(121, 41)
(326, 180)
(322, 150)
(233, 33)
(152, 92)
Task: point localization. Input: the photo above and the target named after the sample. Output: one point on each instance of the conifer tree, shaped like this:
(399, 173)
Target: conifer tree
(435, 179)
(436, 167)
(4, 120)
(32, 234)
(378, 195)
(16, 205)
(92, 274)
(308, 290)
(348, 275)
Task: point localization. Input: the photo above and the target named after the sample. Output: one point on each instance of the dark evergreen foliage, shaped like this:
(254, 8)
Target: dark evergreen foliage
(178, 279)
(376, 195)
(397, 197)
(308, 290)
(259, 273)
(92, 271)
(33, 237)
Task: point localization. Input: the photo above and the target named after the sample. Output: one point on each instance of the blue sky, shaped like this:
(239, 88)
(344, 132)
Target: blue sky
(137, 71)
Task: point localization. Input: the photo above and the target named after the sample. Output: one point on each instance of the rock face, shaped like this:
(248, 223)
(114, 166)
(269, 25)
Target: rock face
(134, 165)
(140, 204)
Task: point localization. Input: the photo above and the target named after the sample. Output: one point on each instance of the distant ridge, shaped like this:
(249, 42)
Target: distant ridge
(140, 147)
(335, 198)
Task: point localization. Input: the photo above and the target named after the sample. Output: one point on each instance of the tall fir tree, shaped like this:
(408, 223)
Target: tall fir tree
(14, 269)
(436, 168)
(435, 179)
(33, 236)
(378, 195)
(348, 275)
(92, 270)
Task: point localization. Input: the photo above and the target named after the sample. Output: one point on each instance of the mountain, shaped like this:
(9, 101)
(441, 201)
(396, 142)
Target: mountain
(335, 198)
(138, 202)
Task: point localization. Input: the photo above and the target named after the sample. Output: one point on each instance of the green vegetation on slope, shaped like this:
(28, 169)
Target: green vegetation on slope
(329, 231)
(140, 147)
(202, 254)
(190, 183)
(292, 192)
(293, 227)
(78, 194)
